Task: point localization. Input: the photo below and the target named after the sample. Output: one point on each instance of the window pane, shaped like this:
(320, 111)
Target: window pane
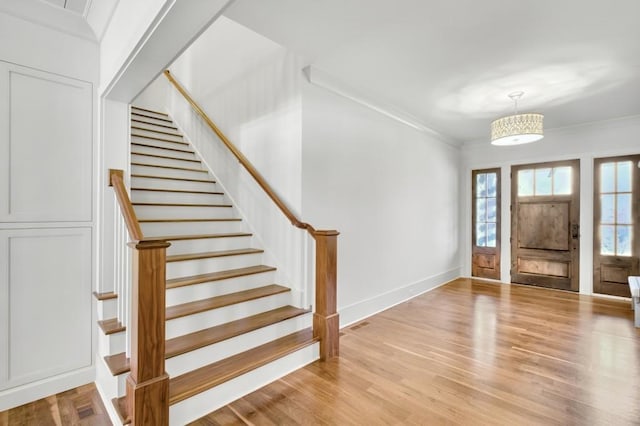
(607, 239)
(607, 208)
(525, 183)
(481, 185)
(481, 210)
(607, 177)
(562, 180)
(623, 236)
(543, 182)
(491, 210)
(623, 209)
(624, 176)
(481, 235)
(492, 181)
(491, 234)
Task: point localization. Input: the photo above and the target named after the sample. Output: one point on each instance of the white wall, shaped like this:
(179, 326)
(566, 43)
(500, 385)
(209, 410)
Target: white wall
(392, 193)
(602, 139)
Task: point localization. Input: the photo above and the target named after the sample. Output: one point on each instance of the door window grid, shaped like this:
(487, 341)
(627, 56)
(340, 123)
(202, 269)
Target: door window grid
(544, 181)
(616, 226)
(486, 208)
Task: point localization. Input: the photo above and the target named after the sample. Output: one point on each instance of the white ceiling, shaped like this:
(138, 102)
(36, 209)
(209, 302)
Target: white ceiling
(77, 6)
(452, 63)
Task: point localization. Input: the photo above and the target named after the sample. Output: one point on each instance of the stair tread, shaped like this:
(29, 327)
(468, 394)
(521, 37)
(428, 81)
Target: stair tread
(173, 178)
(111, 326)
(231, 219)
(203, 305)
(158, 138)
(149, 110)
(217, 276)
(181, 205)
(156, 131)
(162, 166)
(105, 295)
(187, 191)
(166, 157)
(198, 236)
(209, 376)
(154, 124)
(139, 114)
(119, 363)
(162, 147)
(210, 254)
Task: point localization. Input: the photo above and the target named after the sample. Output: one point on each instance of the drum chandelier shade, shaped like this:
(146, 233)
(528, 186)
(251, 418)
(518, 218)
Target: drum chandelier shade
(517, 129)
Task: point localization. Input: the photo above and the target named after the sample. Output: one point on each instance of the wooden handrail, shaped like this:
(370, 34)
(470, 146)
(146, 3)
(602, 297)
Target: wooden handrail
(116, 180)
(242, 159)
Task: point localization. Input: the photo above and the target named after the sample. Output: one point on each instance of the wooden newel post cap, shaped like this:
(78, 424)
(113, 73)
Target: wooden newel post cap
(147, 245)
(327, 233)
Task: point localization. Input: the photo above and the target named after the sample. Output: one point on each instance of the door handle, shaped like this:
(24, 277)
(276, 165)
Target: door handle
(575, 231)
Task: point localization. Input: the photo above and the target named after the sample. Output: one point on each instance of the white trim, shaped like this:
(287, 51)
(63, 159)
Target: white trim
(326, 81)
(366, 308)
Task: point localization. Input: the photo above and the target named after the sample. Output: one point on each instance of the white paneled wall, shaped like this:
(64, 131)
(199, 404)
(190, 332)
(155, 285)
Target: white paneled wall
(46, 233)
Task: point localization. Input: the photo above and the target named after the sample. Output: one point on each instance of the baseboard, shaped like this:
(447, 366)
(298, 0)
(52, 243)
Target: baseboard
(24, 394)
(358, 311)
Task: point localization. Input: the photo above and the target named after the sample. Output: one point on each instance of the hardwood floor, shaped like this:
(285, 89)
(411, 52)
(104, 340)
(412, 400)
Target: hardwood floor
(467, 353)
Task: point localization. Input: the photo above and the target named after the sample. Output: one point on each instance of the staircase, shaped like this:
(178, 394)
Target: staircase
(230, 328)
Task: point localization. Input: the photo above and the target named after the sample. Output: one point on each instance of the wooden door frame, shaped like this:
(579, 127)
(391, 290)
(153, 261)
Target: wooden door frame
(574, 271)
(495, 251)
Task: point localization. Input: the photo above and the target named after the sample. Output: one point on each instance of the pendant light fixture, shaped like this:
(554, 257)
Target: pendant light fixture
(517, 129)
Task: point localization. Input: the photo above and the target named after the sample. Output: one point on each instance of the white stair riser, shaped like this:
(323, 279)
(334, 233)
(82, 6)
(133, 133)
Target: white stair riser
(189, 293)
(184, 212)
(110, 344)
(144, 182)
(147, 147)
(161, 143)
(203, 403)
(189, 324)
(157, 135)
(148, 113)
(146, 118)
(161, 127)
(156, 229)
(208, 244)
(108, 386)
(199, 358)
(174, 173)
(188, 268)
(160, 161)
(107, 309)
(176, 197)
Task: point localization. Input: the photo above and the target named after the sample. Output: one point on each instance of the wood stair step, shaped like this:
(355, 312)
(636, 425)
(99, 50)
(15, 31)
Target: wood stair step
(210, 254)
(119, 363)
(174, 178)
(209, 376)
(166, 157)
(203, 305)
(149, 110)
(161, 132)
(105, 295)
(198, 236)
(181, 205)
(158, 138)
(188, 220)
(154, 124)
(141, 114)
(162, 147)
(161, 166)
(212, 375)
(217, 276)
(111, 326)
(186, 191)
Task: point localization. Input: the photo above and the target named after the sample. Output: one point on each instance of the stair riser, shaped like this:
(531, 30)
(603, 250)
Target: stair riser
(157, 161)
(144, 182)
(154, 229)
(109, 386)
(176, 197)
(212, 353)
(155, 127)
(161, 143)
(149, 113)
(110, 344)
(189, 324)
(174, 173)
(175, 150)
(184, 212)
(144, 132)
(199, 405)
(208, 244)
(178, 295)
(145, 117)
(107, 309)
(188, 268)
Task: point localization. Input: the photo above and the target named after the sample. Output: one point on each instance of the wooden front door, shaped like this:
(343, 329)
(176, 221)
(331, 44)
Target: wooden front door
(485, 248)
(545, 215)
(616, 215)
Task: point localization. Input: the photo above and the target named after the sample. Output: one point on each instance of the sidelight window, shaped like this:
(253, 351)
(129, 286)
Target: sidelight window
(616, 219)
(485, 199)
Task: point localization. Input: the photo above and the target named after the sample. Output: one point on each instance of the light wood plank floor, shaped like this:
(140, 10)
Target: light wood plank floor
(467, 353)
